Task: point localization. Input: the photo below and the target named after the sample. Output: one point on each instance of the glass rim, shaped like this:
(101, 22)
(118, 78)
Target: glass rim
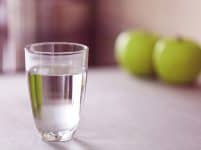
(29, 48)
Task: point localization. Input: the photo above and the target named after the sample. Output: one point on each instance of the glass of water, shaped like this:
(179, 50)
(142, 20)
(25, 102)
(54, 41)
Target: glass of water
(57, 73)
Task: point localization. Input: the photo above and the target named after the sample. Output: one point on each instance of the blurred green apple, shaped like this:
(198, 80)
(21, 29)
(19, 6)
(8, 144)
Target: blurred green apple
(134, 50)
(177, 60)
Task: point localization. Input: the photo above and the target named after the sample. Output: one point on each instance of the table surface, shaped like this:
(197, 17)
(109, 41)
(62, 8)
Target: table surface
(120, 113)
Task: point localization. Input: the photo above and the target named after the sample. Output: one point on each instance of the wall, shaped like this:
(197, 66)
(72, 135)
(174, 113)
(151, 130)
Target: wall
(172, 17)
(168, 17)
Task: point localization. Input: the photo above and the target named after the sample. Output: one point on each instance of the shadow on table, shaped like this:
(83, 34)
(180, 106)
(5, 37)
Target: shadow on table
(86, 145)
(76, 144)
(153, 81)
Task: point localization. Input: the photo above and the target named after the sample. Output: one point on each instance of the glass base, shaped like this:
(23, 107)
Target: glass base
(60, 136)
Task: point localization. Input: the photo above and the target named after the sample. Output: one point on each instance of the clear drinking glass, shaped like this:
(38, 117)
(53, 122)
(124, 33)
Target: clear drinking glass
(57, 73)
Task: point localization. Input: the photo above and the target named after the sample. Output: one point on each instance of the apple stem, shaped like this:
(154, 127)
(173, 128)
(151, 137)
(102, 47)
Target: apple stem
(179, 38)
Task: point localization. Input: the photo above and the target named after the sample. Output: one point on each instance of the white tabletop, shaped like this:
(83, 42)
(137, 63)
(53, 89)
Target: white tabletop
(120, 113)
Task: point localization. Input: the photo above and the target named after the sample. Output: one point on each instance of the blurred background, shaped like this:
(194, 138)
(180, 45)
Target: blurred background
(92, 22)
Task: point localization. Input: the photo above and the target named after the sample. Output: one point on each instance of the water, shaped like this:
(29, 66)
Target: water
(56, 93)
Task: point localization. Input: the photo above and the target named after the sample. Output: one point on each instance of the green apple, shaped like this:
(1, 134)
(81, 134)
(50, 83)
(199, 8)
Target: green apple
(177, 60)
(134, 50)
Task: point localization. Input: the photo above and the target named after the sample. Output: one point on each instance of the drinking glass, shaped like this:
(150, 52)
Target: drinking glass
(57, 73)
